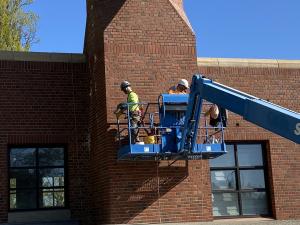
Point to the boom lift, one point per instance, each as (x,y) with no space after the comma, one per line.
(181,130)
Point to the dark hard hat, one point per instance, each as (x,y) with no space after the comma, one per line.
(124,84)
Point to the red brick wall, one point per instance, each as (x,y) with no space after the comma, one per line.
(280,86)
(150,44)
(46,103)
(99,15)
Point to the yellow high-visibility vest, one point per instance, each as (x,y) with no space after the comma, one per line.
(133,98)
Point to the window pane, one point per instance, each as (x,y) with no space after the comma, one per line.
(52,177)
(47,182)
(51,156)
(22,157)
(250,155)
(252,179)
(13,200)
(226,160)
(12,182)
(23,199)
(59,199)
(254,203)
(22,178)
(52,198)
(47,199)
(223,179)
(225,204)
(59,181)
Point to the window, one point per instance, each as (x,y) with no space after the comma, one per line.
(36,178)
(239,181)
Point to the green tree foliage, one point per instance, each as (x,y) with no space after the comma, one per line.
(17,25)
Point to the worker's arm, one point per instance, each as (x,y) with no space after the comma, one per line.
(172,90)
(207,112)
(213,112)
(121,109)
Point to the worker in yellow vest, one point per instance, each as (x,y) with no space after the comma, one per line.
(133,107)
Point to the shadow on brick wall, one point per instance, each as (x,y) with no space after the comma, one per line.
(138,188)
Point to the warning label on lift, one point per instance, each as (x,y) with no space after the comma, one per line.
(297,131)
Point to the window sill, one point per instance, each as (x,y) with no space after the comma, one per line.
(39,216)
(243,219)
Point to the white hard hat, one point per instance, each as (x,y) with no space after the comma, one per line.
(184,82)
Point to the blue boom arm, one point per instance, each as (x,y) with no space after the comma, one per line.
(274,118)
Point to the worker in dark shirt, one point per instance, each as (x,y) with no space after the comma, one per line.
(217,115)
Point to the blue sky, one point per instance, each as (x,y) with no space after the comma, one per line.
(61,25)
(224,28)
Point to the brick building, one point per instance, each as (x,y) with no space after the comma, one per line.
(58,155)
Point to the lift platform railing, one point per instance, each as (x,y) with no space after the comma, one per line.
(147,123)
(164,121)
(208,133)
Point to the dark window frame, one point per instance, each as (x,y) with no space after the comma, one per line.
(37,169)
(237,170)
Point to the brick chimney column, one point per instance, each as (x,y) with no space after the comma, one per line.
(151,44)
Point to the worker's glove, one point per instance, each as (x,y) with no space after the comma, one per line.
(121,108)
(118,114)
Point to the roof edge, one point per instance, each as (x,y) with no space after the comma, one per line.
(253,63)
(42,57)
(179,8)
